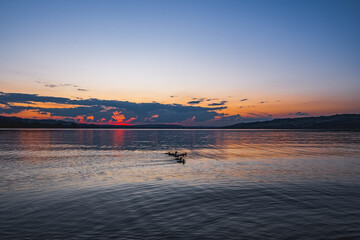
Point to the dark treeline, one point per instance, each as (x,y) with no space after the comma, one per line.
(15,122)
(336,122)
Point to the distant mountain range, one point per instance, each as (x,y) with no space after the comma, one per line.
(335,122)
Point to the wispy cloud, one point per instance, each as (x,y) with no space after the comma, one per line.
(222,103)
(194,102)
(243,100)
(197,100)
(51,85)
(300,114)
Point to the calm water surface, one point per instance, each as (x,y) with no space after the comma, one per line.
(235,184)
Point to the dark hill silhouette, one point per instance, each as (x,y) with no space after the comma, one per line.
(335,122)
(15,122)
(339,121)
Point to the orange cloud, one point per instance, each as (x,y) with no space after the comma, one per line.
(119,119)
(118,116)
(45,105)
(28,114)
(130,120)
(4,106)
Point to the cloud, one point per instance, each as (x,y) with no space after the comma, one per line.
(93,110)
(98,110)
(261,115)
(68,85)
(194,102)
(50,85)
(300,114)
(26,98)
(243,100)
(218,104)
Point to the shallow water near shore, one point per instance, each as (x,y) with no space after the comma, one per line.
(235,184)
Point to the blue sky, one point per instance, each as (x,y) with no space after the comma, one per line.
(287,52)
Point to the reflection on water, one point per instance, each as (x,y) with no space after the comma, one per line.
(240,184)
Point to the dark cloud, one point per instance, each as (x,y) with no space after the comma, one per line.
(98,110)
(218,104)
(103,110)
(26,98)
(300,114)
(194,102)
(227,119)
(231,118)
(262,115)
(243,100)
(82,90)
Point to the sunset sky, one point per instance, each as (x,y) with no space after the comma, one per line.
(185,62)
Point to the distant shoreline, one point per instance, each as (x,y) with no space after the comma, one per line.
(339,122)
(182,129)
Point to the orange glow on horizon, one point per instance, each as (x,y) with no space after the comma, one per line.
(285,106)
(32,114)
(45,105)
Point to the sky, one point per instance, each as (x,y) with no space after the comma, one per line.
(178,62)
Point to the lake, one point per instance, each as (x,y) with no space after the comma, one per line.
(235,184)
